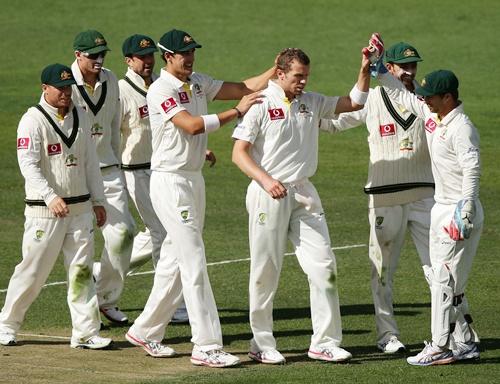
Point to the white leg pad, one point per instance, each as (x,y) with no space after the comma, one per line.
(442,301)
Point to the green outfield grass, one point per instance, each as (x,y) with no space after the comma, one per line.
(240,39)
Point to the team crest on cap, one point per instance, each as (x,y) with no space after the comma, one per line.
(187,39)
(409,52)
(99,41)
(422,84)
(144,43)
(65,75)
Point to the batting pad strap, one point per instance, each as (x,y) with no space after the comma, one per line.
(212,122)
(358,96)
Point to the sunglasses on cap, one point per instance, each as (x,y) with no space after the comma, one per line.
(94,56)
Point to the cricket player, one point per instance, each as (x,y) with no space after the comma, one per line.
(276,144)
(400,186)
(96,91)
(136,149)
(180,123)
(63,186)
(457,216)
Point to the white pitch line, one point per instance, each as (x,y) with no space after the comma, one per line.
(45,336)
(208,264)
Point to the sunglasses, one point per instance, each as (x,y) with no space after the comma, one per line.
(94,56)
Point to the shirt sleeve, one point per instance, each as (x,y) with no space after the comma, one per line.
(211,87)
(466,142)
(249,126)
(327,105)
(116,122)
(166,102)
(397,91)
(29,149)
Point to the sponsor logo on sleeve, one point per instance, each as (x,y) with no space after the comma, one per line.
(168,104)
(276,114)
(54,149)
(183,97)
(23,142)
(143,111)
(387,130)
(430,125)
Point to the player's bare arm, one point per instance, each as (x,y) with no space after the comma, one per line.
(235,91)
(351,103)
(241,157)
(194,125)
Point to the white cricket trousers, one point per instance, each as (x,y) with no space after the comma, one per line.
(43,240)
(179,202)
(147,243)
(451,264)
(387,234)
(118,233)
(299,217)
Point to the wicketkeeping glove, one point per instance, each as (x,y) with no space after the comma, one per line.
(375,53)
(464,214)
(461,225)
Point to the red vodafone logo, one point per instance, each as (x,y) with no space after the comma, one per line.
(183,97)
(387,130)
(168,105)
(276,114)
(430,125)
(144,111)
(54,149)
(23,142)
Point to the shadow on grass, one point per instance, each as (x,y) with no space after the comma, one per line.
(304,312)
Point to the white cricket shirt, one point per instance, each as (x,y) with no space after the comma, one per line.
(60,163)
(399,169)
(453,145)
(284,134)
(174,149)
(135,129)
(103,110)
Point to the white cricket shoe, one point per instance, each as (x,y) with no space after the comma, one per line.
(466,351)
(93,342)
(431,355)
(180,315)
(151,347)
(271,356)
(216,358)
(7,339)
(393,345)
(335,354)
(114,315)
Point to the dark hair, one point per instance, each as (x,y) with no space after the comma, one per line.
(454,94)
(287,55)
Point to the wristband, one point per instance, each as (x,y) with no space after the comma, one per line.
(240,115)
(211,122)
(358,96)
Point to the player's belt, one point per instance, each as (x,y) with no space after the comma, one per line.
(109,166)
(67,200)
(131,167)
(395,188)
